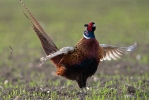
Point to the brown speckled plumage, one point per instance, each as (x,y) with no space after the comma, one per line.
(85,48)
(83,61)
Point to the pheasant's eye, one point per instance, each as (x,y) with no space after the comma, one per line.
(93,25)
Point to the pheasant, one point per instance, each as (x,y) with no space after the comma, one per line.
(77,62)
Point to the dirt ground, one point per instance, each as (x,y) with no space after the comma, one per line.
(104,74)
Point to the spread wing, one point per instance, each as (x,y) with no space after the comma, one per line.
(46,41)
(114,52)
(62,51)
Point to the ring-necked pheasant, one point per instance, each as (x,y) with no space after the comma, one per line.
(81,61)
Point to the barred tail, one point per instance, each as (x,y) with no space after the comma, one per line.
(46,41)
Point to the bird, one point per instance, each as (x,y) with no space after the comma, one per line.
(77,62)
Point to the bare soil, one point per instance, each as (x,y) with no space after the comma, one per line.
(106,70)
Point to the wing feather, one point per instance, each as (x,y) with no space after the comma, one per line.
(108,56)
(114,52)
(62,51)
(111,54)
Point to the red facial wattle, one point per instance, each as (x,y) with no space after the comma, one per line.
(89,27)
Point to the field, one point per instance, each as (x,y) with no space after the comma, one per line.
(119,23)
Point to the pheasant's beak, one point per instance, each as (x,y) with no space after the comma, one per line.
(85,25)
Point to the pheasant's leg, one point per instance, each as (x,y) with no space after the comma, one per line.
(82,83)
(81,80)
(83,91)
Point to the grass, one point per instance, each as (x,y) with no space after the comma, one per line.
(116,89)
(118,23)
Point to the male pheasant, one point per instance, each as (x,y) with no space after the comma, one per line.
(81,61)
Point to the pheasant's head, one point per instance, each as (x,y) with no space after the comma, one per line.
(90,26)
(89,30)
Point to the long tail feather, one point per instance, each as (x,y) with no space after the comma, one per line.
(46,41)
